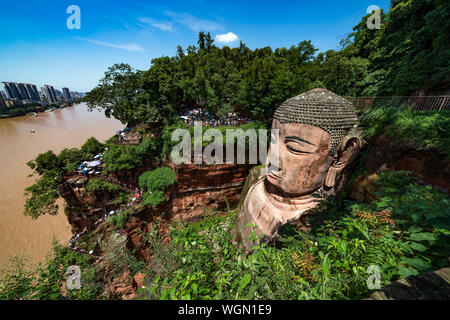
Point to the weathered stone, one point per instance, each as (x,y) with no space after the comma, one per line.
(428,286)
(317,142)
(138,280)
(363,188)
(431,166)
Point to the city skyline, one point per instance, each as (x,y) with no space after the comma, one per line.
(12,93)
(36,46)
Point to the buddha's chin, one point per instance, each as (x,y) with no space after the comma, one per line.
(273,180)
(273,185)
(274,188)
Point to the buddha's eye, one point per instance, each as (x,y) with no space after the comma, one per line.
(296,147)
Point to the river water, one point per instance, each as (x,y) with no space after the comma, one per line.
(63,128)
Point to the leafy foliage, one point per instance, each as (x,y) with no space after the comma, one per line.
(42,195)
(405,232)
(91,148)
(16,280)
(425,128)
(154,184)
(119,157)
(409,52)
(120,219)
(150,147)
(99,187)
(47,281)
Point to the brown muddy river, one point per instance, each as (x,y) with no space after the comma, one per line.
(64,128)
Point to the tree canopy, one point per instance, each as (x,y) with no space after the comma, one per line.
(411,51)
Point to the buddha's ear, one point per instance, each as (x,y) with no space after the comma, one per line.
(347,154)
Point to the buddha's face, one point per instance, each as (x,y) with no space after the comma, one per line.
(303,158)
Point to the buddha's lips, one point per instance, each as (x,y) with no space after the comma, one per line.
(273,176)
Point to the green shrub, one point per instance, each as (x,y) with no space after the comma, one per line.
(154,184)
(157,179)
(120,219)
(92,147)
(153,199)
(46,282)
(96,185)
(41,196)
(426,128)
(168,129)
(46,163)
(118,158)
(149,147)
(16,279)
(71,158)
(52,276)
(405,232)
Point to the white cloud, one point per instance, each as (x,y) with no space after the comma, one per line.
(161,25)
(128,47)
(226,37)
(194,23)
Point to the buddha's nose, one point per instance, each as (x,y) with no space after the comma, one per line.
(272,169)
(273,162)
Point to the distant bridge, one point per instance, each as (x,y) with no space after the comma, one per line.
(437,103)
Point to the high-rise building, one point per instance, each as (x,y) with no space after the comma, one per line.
(49,93)
(32,92)
(11,90)
(22,91)
(36,93)
(2,102)
(66,94)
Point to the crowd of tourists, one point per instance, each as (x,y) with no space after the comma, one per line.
(122,134)
(189,116)
(75,237)
(90,167)
(135,200)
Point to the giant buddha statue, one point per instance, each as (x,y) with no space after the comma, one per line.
(318,139)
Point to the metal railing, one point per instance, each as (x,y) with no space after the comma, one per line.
(437,103)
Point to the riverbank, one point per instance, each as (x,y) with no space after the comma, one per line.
(62,128)
(28,110)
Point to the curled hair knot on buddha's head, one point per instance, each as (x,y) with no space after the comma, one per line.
(323,109)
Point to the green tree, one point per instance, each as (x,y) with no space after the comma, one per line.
(92,147)
(117,93)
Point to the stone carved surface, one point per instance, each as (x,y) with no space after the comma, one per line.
(317,140)
(427,286)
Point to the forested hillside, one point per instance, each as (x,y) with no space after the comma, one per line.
(411,51)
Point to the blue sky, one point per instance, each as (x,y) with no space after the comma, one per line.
(37,47)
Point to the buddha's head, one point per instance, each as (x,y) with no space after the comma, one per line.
(317,141)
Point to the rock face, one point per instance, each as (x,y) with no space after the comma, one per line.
(431,166)
(199,188)
(203,188)
(83,209)
(428,286)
